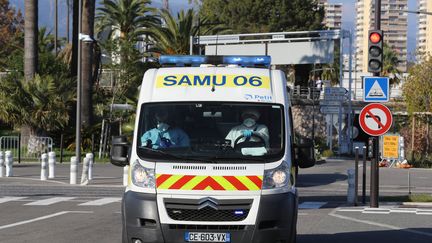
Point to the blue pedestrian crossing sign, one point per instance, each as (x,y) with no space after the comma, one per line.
(376,89)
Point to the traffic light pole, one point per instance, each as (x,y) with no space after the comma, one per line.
(374,183)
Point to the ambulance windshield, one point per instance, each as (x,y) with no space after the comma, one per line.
(211,131)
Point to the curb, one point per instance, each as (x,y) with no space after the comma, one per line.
(418,204)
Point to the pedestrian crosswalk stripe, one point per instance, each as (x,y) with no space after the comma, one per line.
(311,205)
(49,201)
(9,199)
(102,201)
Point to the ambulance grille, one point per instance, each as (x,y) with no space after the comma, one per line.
(206,214)
(207,209)
(206,227)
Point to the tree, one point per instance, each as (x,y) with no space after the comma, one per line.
(390,65)
(11,32)
(417,90)
(87,64)
(41,103)
(125,19)
(252,16)
(174,36)
(30,39)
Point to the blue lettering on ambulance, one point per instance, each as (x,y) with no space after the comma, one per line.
(199,81)
(240,82)
(185,79)
(222,83)
(170,80)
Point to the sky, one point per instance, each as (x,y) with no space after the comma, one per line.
(46,15)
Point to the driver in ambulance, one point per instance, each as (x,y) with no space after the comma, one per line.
(164,135)
(249,130)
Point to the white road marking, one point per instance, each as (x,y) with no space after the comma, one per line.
(9,199)
(417,211)
(102,201)
(388,226)
(376,211)
(40,218)
(49,201)
(311,205)
(351,210)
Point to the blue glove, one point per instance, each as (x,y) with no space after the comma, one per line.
(247,133)
(165,143)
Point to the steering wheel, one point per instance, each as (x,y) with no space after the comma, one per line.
(248,143)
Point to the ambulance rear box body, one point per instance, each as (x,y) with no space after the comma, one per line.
(204,187)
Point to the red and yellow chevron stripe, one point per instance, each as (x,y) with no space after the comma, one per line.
(202,182)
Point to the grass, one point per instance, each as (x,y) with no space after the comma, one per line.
(408,198)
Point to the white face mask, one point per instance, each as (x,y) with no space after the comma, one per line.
(249,122)
(162,126)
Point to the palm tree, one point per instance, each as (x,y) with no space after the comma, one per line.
(41,104)
(125,19)
(390,65)
(174,36)
(87,64)
(30,38)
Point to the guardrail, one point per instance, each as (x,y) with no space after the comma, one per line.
(26,147)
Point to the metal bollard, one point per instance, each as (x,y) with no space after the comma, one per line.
(84,174)
(73,170)
(91,162)
(9,163)
(125,175)
(51,164)
(1,164)
(44,165)
(351,182)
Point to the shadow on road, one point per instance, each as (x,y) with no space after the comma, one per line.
(415,235)
(310,180)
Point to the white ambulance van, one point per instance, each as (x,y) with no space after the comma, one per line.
(212,157)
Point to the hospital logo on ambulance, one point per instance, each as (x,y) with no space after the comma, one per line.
(221,80)
(202,182)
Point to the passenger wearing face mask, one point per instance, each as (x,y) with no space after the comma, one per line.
(248,128)
(164,136)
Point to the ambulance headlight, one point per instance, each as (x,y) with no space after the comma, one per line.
(142,177)
(277,177)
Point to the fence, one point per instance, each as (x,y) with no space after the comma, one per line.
(26,147)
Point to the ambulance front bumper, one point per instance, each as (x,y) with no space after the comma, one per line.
(276,220)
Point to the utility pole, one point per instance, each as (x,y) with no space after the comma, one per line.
(56,27)
(374,192)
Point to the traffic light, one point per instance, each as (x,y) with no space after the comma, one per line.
(371,147)
(375,51)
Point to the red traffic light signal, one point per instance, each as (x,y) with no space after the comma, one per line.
(375,37)
(375,51)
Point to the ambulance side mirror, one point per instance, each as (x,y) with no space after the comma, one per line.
(119,151)
(304,153)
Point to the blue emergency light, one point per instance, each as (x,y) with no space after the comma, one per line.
(245,61)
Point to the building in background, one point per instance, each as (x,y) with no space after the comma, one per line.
(424,34)
(332,14)
(393,23)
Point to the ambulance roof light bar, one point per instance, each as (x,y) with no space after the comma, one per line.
(196,61)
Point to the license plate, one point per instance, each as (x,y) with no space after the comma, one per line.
(207,237)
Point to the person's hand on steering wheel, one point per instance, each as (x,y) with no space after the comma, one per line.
(238,144)
(247,134)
